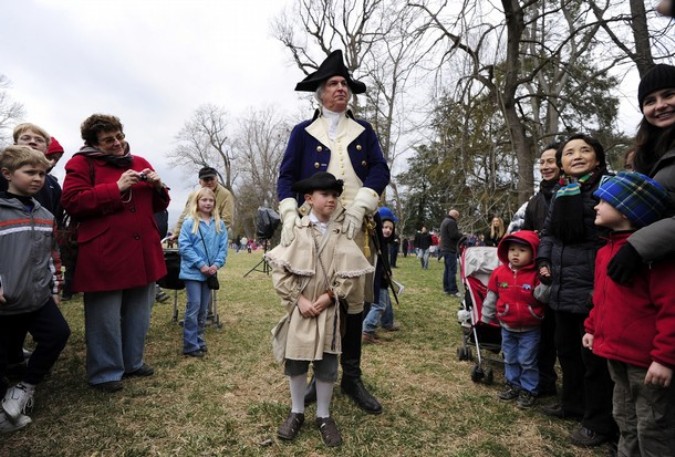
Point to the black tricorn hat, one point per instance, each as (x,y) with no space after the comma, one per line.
(319,181)
(332,66)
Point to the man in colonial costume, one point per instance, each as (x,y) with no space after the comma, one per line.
(335,142)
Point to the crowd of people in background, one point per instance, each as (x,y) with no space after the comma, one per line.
(585,274)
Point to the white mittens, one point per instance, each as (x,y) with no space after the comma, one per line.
(288,210)
(364,203)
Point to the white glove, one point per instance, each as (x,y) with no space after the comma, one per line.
(288,210)
(364,203)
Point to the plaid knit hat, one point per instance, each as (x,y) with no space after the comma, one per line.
(641,199)
(661,76)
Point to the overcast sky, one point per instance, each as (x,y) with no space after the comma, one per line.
(149,62)
(152,63)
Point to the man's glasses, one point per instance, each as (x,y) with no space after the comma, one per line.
(110,140)
(33,139)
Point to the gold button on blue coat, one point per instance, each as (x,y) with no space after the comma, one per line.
(319,149)
(358,147)
(316,165)
(364,163)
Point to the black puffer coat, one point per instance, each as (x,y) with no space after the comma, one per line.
(573,264)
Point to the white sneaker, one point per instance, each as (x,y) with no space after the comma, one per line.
(17,400)
(6,426)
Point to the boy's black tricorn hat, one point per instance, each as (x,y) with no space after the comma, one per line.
(332,66)
(319,181)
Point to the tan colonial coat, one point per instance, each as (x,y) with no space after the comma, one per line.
(297,269)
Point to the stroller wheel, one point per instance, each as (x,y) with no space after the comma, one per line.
(477,374)
(463,353)
(489,376)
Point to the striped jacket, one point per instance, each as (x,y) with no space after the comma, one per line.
(30,265)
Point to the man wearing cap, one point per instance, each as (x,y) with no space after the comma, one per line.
(208,177)
(335,142)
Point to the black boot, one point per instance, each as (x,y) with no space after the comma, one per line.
(351,366)
(310,392)
(354,388)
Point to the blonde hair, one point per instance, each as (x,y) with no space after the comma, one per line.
(500,231)
(194,209)
(15,157)
(22,128)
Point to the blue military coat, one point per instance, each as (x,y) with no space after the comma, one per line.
(305,155)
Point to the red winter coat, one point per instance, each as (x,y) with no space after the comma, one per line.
(516,307)
(633,323)
(119,245)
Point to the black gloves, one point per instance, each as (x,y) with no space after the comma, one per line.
(625,264)
(545,280)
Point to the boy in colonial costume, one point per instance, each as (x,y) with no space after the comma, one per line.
(317,272)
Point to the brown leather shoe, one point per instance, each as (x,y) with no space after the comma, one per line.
(330,435)
(369,338)
(291,426)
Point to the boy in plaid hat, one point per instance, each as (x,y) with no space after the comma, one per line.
(633,325)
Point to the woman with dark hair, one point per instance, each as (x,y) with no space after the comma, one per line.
(654,157)
(566,259)
(114,196)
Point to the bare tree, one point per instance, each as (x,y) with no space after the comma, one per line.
(634,34)
(260,141)
(350,25)
(380,47)
(203,141)
(10,111)
(532,59)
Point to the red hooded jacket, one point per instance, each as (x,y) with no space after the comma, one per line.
(516,307)
(633,323)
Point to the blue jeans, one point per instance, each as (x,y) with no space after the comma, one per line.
(376,312)
(116,323)
(423,255)
(520,351)
(450,273)
(387,319)
(196,309)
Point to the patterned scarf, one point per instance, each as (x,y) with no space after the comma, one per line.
(124,161)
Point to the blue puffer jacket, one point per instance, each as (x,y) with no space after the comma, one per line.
(193,255)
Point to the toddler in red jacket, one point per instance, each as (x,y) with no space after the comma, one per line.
(516,297)
(633,325)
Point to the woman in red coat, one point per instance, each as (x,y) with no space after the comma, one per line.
(114,196)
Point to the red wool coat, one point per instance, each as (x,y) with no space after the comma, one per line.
(119,245)
(633,323)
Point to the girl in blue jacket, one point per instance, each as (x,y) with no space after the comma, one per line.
(202,244)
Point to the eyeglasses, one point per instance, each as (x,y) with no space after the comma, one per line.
(110,140)
(34,139)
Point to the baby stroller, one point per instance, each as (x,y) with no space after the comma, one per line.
(171,281)
(475,267)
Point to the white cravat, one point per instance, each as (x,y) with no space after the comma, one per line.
(333,120)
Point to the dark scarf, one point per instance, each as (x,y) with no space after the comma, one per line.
(124,161)
(547,187)
(567,217)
